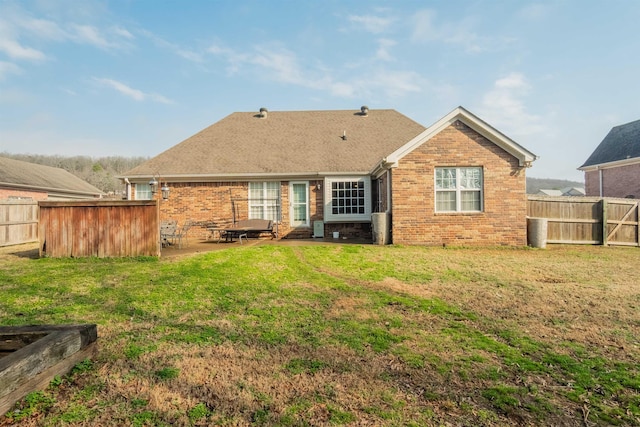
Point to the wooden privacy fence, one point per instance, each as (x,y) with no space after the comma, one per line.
(99,228)
(588,220)
(18,221)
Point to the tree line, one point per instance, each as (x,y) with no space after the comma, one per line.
(101,172)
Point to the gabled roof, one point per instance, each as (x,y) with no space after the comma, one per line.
(524,156)
(31,176)
(621,145)
(285,143)
(306,143)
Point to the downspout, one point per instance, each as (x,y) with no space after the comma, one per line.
(127,190)
(389,207)
(389,191)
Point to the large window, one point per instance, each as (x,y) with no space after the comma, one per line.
(264,200)
(299,196)
(143,192)
(458,189)
(348,199)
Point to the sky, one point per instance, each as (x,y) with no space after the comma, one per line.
(136,77)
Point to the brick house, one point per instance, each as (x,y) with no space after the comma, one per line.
(24,180)
(613,169)
(459,181)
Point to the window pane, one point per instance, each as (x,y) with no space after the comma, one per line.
(470,200)
(470,178)
(299,193)
(143,192)
(272,190)
(256,212)
(445,201)
(300,213)
(445,178)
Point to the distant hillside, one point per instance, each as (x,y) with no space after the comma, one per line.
(100,172)
(535,184)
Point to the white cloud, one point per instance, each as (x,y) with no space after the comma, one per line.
(535,11)
(130,92)
(8,68)
(42,28)
(122,32)
(284,66)
(15,50)
(383,53)
(397,83)
(370,23)
(176,49)
(423,27)
(504,106)
(427,29)
(87,34)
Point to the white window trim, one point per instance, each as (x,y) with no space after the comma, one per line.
(291,204)
(329,216)
(458,190)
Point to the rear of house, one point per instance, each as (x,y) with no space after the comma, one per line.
(613,169)
(315,173)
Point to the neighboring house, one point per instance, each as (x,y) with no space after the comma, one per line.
(459,181)
(573,191)
(547,192)
(613,169)
(567,191)
(24,180)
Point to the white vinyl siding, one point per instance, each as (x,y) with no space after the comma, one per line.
(459,189)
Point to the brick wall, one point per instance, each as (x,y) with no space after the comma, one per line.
(5,193)
(622,181)
(212,202)
(503,220)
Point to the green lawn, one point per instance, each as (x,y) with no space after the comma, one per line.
(340,335)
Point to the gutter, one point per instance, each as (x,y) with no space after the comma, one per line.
(242,177)
(49,189)
(608,165)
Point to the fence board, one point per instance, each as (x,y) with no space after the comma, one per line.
(18,222)
(99,228)
(588,220)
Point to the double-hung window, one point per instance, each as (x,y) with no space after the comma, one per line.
(143,192)
(264,200)
(348,199)
(458,189)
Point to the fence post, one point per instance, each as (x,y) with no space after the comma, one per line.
(604,223)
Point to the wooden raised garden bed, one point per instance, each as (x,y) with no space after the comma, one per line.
(31,356)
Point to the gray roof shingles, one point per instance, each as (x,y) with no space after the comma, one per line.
(622,142)
(286,142)
(34,176)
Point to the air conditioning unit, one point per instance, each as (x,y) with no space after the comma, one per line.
(318,229)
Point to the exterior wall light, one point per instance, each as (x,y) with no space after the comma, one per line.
(164,190)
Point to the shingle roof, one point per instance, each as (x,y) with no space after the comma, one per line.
(16,173)
(286,142)
(622,142)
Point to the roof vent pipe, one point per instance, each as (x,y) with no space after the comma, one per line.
(263,113)
(364,110)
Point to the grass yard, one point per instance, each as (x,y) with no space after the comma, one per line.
(340,335)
